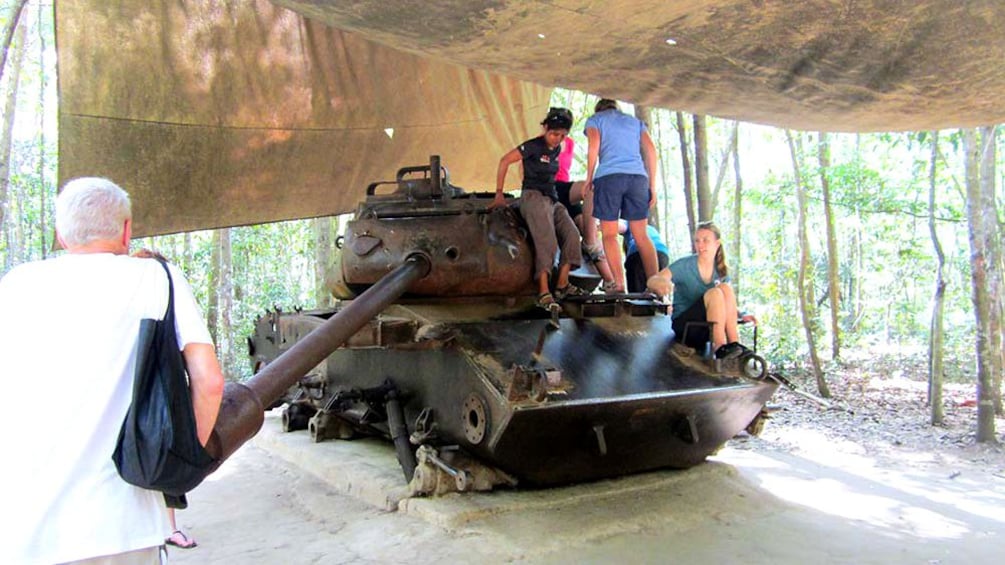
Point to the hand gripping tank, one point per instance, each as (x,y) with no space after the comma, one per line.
(474,384)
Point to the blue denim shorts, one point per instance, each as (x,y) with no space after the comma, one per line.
(621,196)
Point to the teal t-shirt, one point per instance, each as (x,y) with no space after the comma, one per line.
(688,286)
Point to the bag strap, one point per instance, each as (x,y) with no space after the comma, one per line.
(169,313)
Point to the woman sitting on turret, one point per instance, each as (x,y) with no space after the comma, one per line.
(549,223)
(702,293)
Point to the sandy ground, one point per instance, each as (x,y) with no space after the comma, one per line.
(757,501)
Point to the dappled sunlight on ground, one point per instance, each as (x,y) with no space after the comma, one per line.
(895,502)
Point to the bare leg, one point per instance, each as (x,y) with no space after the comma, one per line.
(589,228)
(647,251)
(563,275)
(729,312)
(715,312)
(542,283)
(612,249)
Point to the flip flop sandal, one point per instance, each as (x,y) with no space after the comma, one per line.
(185,542)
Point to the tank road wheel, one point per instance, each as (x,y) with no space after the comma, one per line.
(754,366)
(296,417)
(474,419)
(317,426)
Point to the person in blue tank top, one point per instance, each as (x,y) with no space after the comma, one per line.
(702,293)
(621,177)
(635,274)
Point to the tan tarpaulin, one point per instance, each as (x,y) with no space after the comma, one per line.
(860,65)
(228,113)
(218,112)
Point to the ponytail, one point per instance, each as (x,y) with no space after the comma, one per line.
(720,262)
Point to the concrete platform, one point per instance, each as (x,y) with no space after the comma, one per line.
(368,470)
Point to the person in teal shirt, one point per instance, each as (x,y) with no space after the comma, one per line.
(702,293)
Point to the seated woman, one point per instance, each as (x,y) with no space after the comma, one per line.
(549,223)
(702,293)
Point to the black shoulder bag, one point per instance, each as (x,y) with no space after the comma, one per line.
(158,447)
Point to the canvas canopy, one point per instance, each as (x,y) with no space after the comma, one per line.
(219,113)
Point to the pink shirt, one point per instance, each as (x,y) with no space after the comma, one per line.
(565,160)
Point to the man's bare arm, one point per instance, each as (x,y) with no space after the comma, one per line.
(206,381)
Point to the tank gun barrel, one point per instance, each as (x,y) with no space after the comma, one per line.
(242,411)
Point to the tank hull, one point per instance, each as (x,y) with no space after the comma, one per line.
(601,395)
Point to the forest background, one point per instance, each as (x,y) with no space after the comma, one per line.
(847,247)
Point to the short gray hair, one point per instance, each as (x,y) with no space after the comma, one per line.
(91,209)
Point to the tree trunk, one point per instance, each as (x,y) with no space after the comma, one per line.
(806,303)
(737,211)
(702,190)
(854,302)
(935,336)
(833,284)
(213,286)
(723,165)
(42,191)
(987,179)
(186,250)
(980,207)
(7,140)
(8,33)
(225,340)
(323,254)
(645,113)
(688,182)
(664,182)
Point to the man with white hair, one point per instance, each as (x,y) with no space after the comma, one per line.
(67,360)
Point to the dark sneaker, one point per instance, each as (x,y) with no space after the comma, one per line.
(730,350)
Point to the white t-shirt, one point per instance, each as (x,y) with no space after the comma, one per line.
(68,329)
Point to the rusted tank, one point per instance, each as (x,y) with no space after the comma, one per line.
(473,383)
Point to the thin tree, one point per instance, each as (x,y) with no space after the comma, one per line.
(213,286)
(723,164)
(645,113)
(8,33)
(980,207)
(702,190)
(324,247)
(806,303)
(737,210)
(664,185)
(226,302)
(42,81)
(7,139)
(987,179)
(686,168)
(833,284)
(935,334)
